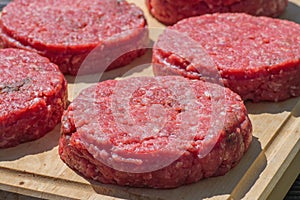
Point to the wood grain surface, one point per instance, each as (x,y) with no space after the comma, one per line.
(269,167)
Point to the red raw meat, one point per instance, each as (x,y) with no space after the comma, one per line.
(33,95)
(159,132)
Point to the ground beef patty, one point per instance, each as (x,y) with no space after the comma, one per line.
(33,95)
(159,132)
(256,57)
(170,12)
(66,31)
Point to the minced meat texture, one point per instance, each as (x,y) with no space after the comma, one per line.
(67,31)
(32,96)
(123,131)
(170,12)
(247,51)
(68,25)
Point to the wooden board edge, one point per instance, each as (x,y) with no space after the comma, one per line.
(287,168)
(28,184)
(287,180)
(34,185)
(260,180)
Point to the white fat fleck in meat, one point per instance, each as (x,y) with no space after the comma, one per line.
(179,164)
(294,87)
(117,158)
(103,154)
(223,113)
(275,86)
(149,93)
(55,81)
(207,94)
(66,126)
(35,101)
(49,108)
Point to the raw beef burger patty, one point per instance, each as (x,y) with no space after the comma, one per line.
(159,132)
(256,57)
(66,31)
(170,12)
(33,95)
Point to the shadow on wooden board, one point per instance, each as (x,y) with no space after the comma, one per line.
(15,196)
(217,186)
(273,107)
(292,13)
(296,110)
(46,143)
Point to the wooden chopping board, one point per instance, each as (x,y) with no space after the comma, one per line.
(268,169)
